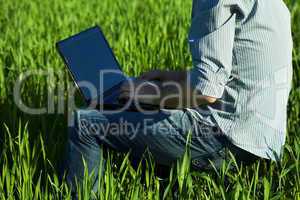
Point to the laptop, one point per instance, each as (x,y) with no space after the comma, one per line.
(95,69)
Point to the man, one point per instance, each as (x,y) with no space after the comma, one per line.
(233,99)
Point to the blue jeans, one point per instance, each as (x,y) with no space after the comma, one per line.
(163,133)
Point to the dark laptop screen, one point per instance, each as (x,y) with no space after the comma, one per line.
(91,62)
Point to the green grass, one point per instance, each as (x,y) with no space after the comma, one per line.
(144,35)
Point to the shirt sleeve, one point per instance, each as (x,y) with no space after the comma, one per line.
(211,40)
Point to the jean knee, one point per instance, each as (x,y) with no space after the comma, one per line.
(82,130)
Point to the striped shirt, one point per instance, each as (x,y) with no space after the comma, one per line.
(242,55)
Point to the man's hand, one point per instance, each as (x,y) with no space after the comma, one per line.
(147,88)
(169,89)
(175,82)
(141,91)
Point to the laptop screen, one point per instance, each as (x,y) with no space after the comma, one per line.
(91,62)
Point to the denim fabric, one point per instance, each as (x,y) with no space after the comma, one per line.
(164,134)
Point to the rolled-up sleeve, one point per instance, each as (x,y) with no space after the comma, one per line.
(211,41)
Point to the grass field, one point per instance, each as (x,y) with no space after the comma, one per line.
(144,35)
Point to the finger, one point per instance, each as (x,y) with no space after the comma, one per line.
(124,95)
(125,86)
(148,99)
(129,85)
